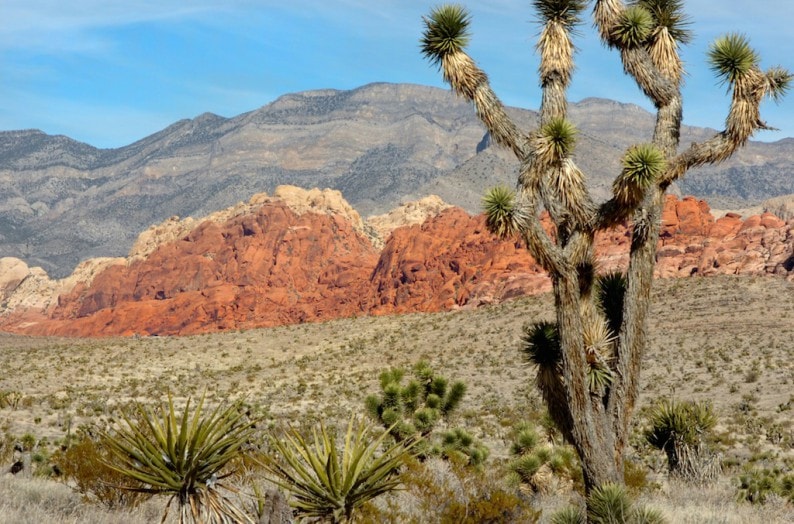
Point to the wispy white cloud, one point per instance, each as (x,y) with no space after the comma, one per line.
(230,56)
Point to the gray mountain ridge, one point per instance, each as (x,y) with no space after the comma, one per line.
(62,201)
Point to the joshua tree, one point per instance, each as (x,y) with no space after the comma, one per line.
(589,359)
(414,409)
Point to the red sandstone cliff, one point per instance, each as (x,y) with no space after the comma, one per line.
(306,256)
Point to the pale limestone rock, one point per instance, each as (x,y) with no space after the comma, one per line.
(38,291)
(13,272)
(407,214)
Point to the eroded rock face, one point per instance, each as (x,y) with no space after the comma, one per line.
(699,245)
(305,256)
(448,261)
(265,268)
(407,214)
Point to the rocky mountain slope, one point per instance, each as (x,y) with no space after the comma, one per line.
(303,256)
(62,201)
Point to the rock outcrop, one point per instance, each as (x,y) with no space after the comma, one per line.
(407,214)
(303,256)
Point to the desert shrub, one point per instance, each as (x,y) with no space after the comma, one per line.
(84,465)
(10,399)
(569,515)
(608,504)
(415,409)
(328,486)
(6,448)
(543,465)
(756,485)
(646,515)
(611,504)
(681,430)
(635,476)
(457,444)
(448,492)
(182,456)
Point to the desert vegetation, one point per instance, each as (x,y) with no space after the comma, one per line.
(725,341)
(589,358)
(323,422)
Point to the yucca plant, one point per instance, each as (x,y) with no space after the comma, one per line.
(569,515)
(459,446)
(681,429)
(610,294)
(416,408)
(609,504)
(531,455)
(669,14)
(327,486)
(447,31)
(634,27)
(540,344)
(183,456)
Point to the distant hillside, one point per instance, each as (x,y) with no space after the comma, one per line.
(63,201)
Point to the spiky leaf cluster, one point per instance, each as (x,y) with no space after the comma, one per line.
(446,32)
(458,445)
(608,504)
(564,12)
(525,440)
(611,504)
(599,352)
(531,455)
(642,165)
(569,515)
(182,455)
(540,343)
(778,81)
(502,214)
(673,423)
(330,487)
(416,407)
(731,57)
(634,27)
(610,293)
(556,138)
(669,14)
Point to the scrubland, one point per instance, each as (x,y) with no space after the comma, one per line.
(724,340)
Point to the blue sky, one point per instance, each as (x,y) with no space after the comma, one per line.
(108,72)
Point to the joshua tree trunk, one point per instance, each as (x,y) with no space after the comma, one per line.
(589,360)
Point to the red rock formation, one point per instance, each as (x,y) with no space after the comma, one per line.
(449,261)
(267,268)
(273,264)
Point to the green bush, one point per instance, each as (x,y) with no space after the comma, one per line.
(534,455)
(608,504)
(459,445)
(681,430)
(329,486)
(755,485)
(416,408)
(611,504)
(85,466)
(569,515)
